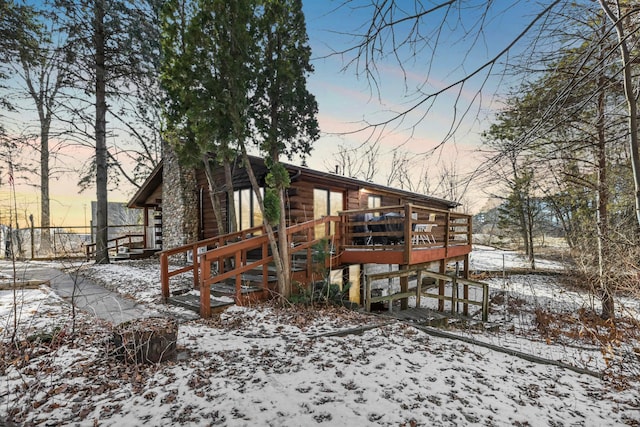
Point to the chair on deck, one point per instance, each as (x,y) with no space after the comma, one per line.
(424,234)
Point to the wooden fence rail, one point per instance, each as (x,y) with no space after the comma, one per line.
(420,273)
(115,243)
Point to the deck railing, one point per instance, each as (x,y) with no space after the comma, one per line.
(191,253)
(229,256)
(415,227)
(403,229)
(213,263)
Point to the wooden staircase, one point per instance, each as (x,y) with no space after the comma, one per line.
(238,267)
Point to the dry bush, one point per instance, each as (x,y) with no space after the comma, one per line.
(618,341)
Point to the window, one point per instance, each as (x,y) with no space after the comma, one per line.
(248,212)
(374,202)
(326,202)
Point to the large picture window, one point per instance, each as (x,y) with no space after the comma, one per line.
(248,212)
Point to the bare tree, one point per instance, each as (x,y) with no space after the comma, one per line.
(421,33)
(361,162)
(450,183)
(44,69)
(114,44)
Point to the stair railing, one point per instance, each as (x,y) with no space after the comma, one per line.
(237,254)
(195,249)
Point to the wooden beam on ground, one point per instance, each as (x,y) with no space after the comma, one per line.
(22,284)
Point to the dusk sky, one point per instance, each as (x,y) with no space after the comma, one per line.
(346,100)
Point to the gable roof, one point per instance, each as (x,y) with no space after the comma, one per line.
(148,187)
(297,173)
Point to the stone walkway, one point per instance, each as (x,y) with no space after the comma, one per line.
(86,295)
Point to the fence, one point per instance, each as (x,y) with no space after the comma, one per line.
(420,272)
(54,242)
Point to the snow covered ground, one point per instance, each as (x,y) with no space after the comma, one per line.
(282,366)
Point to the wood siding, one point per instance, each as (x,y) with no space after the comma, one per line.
(298,198)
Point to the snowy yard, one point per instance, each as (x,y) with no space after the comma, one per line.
(282,367)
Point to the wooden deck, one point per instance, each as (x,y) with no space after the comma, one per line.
(405,235)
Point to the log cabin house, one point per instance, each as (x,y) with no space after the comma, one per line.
(366,225)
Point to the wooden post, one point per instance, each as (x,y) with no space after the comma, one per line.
(145,227)
(238,260)
(404,287)
(33,243)
(196,265)
(367,295)
(164,276)
(485,302)
(389,287)
(465,274)
(309,254)
(205,290)
(363,279)
(265,268)
(447,229)
(454,294)
(418,288)
(442,270)
(407,233)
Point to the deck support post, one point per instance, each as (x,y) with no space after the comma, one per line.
(367,294)
(363,279)
(418,287)
(404,287)
(465,274)
(196,265)
(454,294)
(238,264)
(441,283)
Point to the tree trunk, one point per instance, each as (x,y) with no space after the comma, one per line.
(630,97)
(102,234)
(284,276)
(273,242)
(45,212)
(43,96)
(522,219)
(602,215)
(231,203)
(532,255)
(214,195)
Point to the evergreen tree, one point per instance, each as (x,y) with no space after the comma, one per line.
(282,109)
(235,72)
